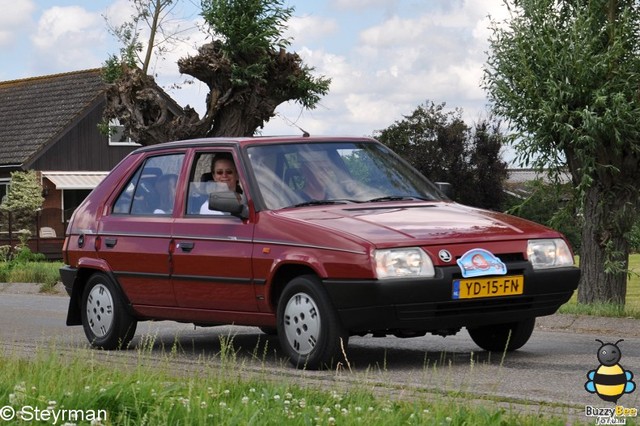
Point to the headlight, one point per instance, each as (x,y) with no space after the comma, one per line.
(549,253)
(405,262)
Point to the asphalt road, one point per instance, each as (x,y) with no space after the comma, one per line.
(547,374)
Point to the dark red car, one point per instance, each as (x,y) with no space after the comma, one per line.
(316,238)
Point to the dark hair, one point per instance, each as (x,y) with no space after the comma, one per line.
(222,156)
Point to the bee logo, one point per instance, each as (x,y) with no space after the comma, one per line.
(609,381)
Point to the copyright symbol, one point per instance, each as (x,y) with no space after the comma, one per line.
(7,413)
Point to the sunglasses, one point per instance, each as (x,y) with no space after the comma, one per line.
(221,172)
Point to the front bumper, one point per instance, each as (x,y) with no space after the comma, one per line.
(427,304)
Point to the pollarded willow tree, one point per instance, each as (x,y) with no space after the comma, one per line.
(246,68)
(566,73)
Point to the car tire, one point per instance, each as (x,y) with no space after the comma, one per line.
(308,326)
(503,337)
(105,319)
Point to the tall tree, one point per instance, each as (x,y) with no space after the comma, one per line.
(565,73)
(149,15)
(246,68)
(443,148)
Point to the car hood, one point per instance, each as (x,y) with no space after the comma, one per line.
(421,223)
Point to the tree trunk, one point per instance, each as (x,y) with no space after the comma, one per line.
(233,121)
(604,257)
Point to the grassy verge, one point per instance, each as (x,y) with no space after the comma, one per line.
(80,385)
(47,274)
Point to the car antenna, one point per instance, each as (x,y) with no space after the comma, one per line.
(305,134)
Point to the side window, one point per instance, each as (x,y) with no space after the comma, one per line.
(202,180)
(152,189)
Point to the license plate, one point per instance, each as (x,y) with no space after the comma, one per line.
(471,288)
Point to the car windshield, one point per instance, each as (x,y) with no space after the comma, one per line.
(302,174)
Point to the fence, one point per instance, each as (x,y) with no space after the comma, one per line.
(45,229)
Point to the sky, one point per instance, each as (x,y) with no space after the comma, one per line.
(384,57)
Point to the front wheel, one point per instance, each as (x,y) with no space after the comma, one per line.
(503,337)
(105,320)
(309,329)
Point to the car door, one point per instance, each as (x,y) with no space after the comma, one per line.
(134,237)
(211,253)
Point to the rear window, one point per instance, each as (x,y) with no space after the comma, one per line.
(152,188)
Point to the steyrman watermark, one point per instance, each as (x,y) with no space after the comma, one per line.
(28,413)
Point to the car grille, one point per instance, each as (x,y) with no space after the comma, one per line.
(420,311)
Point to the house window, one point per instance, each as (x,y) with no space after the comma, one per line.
(4,189)
(71,199)
(117,136)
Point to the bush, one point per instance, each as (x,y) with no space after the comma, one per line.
(24,255)
(5,269)
(25,266)
(634,238)
(45,273)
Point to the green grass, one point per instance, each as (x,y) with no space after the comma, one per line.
(215,395)
(47,274)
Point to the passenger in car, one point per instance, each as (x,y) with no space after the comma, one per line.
(312,189)
(165,187)
(223,171)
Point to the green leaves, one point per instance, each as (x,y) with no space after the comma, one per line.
(442,147)
(25,193)
(566,77)
(249,29)
(23,200)
(565,74)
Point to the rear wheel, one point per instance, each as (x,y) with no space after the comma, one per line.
(105,320)
(309,329)
(503,337)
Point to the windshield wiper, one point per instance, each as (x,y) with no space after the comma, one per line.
(398,198)
(320,203)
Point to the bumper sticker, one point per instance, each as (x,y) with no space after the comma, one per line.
(478,262)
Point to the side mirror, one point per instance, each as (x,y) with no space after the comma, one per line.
(445,187)
(227,202)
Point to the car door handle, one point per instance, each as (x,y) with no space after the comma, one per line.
(186,247)
(110,242)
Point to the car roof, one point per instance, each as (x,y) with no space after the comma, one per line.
(245,141)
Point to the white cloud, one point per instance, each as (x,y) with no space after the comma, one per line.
(15,16)
(404,61)
(362,4)
(70,37)
(309,28)
(118,12)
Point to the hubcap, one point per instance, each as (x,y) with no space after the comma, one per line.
(99,310)
(302,323)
